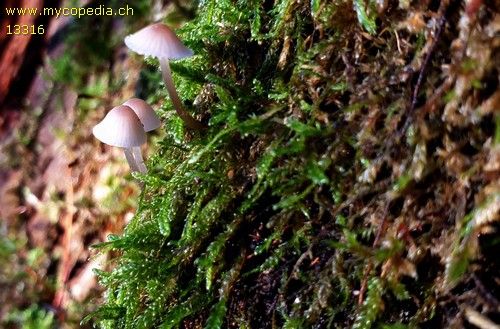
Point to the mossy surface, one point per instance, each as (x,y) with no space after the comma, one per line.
(348,176)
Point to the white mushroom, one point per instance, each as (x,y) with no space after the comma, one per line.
(149,120)
(159,41)
(121,128)
(146,114)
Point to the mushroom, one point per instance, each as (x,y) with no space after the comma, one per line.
(159,41)
(146,114)
(149,120)
(121,128)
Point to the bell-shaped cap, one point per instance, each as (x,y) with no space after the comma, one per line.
(158,41)
(146,114)
(120,127)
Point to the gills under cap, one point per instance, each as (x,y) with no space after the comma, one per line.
(158,41)
(120,127)
(146,114)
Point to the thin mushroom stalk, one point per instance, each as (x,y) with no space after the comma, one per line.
(174,97)
(141,167)
(130,159)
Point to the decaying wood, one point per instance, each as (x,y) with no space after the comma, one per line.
(13,48)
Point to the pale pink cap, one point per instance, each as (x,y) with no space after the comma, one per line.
(146,114)
(120,127)
(158,41)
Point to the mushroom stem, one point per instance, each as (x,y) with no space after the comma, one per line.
(139,161)
(169,83)
(130,159)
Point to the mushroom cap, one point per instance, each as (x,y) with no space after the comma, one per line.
(157,40)
(146,114)
(120,127)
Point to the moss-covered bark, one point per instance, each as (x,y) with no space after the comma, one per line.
(348,177)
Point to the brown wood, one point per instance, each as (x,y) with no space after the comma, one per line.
(13,48)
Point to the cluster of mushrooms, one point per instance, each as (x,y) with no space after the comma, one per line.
(126,125)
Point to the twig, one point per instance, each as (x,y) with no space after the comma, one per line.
(479,320)
(67,260)
(485,293)
(416,90)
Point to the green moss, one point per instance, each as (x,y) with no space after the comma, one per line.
(302,182)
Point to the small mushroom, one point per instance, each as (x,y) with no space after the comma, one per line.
(149,120)
(146,114)
(121,128)
(159,41)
